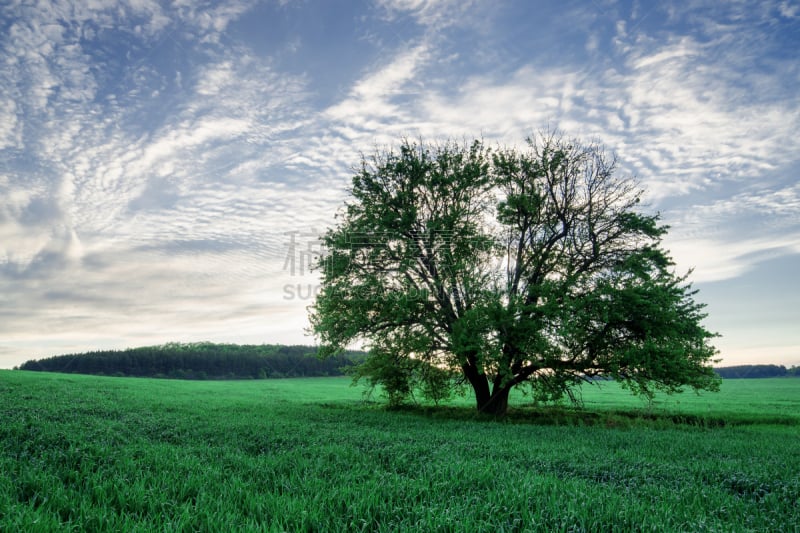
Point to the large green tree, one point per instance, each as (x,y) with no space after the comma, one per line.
(506,267)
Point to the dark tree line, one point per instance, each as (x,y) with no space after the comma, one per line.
(201,361)
(757,371)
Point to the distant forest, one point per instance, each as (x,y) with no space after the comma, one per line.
(201,361)
(757,371)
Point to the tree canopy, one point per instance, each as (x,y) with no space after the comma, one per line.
(506,267)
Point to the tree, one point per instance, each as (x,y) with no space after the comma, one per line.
(512,267)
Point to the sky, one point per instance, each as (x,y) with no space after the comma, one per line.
(166,168)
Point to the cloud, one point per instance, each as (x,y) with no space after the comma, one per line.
(154,165)
(718,260)
(729,237)
(140,196)
(375,99)
(10,132)
(681,123)
(789,11)
(430,13)
(211,18)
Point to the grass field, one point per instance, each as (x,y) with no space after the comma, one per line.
(123,454)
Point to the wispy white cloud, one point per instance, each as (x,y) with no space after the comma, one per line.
(429,13)
(10,133)
(789,10)
(211,18)
(718,260)
(728,237)
(187,197)
(377,99)
(682,124)
(154,166)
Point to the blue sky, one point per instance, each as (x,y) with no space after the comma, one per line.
(165,168)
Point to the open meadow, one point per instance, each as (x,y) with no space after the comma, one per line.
(87,453)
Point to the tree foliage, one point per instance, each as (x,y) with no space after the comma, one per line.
(510,267)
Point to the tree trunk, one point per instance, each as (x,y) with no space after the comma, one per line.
(487,401)
(480,384)
(497,404)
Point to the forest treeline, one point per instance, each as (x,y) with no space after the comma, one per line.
(206,360)
(201,361)
(756,371)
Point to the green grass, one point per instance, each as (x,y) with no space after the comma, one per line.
(116,454)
